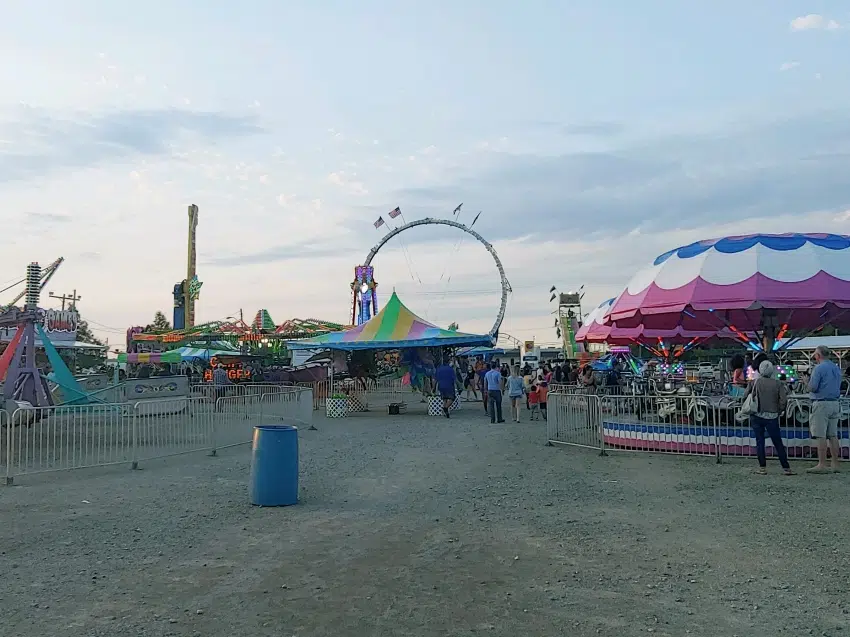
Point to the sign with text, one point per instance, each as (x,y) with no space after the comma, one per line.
(570,299)
(61,321)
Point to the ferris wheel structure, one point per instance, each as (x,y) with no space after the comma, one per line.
(505,284)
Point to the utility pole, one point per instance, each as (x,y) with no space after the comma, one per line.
(73,298)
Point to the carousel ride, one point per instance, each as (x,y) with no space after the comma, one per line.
(760,292)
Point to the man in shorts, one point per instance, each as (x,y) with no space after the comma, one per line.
(825,388)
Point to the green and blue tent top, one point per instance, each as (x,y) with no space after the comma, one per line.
(394,327)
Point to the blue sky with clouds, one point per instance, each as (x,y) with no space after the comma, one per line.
(592,135)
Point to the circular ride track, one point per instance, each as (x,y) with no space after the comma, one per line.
(506,286)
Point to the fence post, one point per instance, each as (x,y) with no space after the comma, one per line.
(10,479)
(214,416)
(717,453)
(213,437)
(134,445)
(602,451)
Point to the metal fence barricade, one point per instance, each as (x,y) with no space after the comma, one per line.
(170,427)
(234,420)
(321,390)
(38,440)
(293,404)
(562,388)
(574,420)
(5,447)
(44,439)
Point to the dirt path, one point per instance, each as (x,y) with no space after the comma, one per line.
(422,526)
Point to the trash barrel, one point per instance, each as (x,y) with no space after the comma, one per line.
(274,466)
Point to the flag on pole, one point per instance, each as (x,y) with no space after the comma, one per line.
(395,212)
(474,220)
(379,222)
(457,210)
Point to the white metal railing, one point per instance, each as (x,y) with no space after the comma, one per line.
(371,393)
(692,424)
(45,439)
(214,392)
(321,390)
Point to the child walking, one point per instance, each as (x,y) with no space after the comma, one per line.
(533,402)
(516,388)
(542,395)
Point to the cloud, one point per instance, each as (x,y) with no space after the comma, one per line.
(758,168)
(788,66)
(347,182)
(277,254)
(285,200)
(597,129)
(813,21)
(42,143)
(47,217)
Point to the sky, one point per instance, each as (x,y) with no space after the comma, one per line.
(591,135)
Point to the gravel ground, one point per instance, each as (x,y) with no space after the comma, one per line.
(412,525)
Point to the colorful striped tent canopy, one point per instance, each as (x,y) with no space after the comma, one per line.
(394,327)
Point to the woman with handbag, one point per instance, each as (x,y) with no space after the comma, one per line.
(766,398)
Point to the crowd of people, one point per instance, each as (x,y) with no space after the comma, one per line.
(494,381)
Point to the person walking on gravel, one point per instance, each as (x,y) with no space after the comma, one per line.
(481,369)
(516,389)
(220,383)
(771,396)
(825,389)
(495,383)
(445,377)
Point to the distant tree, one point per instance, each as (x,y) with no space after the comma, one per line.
(453,326)
(160,322)
(84,333)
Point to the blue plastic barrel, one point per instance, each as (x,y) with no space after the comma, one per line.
(274,466)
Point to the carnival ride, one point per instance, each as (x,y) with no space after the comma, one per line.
(503,279)
(261,333)
(365,294)
(22,380)
(757,287)
(189,289)
(666,344)
(766,292)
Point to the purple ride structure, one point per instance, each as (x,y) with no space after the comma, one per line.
(23,380)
